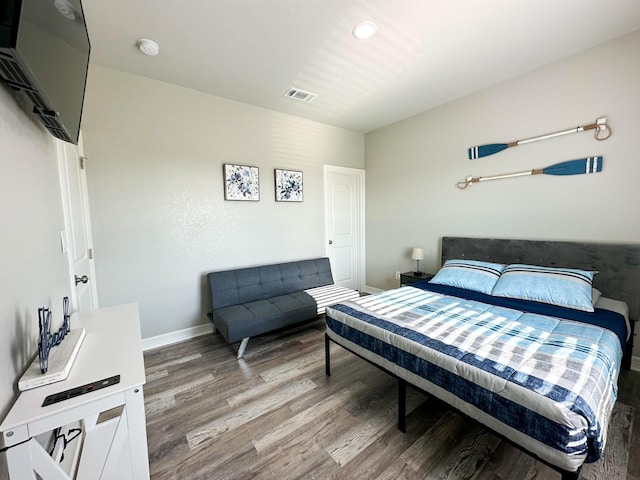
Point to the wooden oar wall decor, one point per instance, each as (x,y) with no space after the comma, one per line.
(602,132)
(571,167)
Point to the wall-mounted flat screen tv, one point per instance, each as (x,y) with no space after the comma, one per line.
(44,51)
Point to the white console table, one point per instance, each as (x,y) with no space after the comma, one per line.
(110,449)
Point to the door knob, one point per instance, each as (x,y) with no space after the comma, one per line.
(330,242)
(82,279)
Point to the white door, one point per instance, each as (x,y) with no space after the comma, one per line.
(77,239)
(344,224)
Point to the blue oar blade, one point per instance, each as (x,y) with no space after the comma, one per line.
(486,150)
(575,167)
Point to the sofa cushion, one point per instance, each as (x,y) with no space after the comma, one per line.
(236,322)
(315,273)
(291,277)
(223,287)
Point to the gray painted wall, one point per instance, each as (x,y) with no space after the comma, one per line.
(34,271)
(160,221)
(412,166)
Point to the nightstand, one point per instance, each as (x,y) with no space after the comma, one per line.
(407,278)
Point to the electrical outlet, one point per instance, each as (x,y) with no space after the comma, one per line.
(397,275)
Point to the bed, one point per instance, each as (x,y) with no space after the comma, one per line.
(541,375)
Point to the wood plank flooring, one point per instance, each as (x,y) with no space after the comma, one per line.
(275,415)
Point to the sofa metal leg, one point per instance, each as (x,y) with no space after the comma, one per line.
(243,346)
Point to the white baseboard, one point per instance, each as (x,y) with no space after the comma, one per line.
(175,337)
(372,290)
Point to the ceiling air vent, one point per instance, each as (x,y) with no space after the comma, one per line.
(300,94)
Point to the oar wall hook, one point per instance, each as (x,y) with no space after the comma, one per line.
(601,128)
(570,167)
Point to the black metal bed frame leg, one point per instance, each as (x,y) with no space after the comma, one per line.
(571,475)
(402,405)
(327,359)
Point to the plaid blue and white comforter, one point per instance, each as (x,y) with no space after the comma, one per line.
(547,384)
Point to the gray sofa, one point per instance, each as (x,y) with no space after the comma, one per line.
(251,301)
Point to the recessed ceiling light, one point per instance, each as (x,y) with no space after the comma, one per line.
(364,30)
(148,47)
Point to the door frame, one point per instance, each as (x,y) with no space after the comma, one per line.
(361,254)
(64,164)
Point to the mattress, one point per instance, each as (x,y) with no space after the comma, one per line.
(615,306)
(545,383)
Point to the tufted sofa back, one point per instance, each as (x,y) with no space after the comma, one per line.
(234,287)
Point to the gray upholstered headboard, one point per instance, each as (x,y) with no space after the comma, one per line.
(618,264)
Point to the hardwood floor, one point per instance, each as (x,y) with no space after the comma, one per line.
(275,415)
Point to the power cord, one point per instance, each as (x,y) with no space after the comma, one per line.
(4,449)
(73,433)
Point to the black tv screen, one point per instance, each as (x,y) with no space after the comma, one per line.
(44,51)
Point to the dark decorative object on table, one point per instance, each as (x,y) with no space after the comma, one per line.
(47,340)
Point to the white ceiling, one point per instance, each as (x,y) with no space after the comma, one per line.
(425,53)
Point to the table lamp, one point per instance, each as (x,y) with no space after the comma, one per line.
(417,254)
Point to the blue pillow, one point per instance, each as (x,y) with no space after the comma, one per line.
(565,287)
(469,274)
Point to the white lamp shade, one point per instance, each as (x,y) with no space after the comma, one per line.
(417,254)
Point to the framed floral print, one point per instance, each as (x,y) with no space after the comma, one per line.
(241,182)
(288,185)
